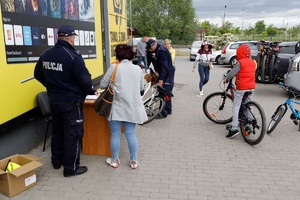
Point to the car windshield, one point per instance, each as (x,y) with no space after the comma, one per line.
(196,44)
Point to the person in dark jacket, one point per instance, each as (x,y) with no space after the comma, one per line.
(62,70)
(166,70)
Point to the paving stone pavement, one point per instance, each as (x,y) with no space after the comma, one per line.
(186,156)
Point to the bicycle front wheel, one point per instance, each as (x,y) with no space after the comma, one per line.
(252,122)
(276,118)
(153,107)
(217,107)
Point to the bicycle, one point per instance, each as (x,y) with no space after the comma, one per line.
(266,72)
(217,107)
(281,109)
(155,102)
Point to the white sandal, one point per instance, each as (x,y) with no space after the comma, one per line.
(133,164)
(114,164)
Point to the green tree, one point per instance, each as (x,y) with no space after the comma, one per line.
(271,31)
(174,19)
(260,27)
(226,28)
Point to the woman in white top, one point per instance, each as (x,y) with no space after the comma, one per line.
(127,107)
(203,58)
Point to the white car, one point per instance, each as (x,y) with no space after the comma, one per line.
(196,45)
(217,55)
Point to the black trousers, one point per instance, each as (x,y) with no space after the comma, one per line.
(67,133)
(168,106)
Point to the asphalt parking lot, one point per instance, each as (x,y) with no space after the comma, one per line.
(186,156)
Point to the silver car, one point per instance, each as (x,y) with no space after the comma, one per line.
(229,51)
(292,77)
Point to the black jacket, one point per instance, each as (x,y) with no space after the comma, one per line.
(163,64)
(62,70)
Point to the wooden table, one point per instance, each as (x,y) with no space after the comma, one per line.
(96,138)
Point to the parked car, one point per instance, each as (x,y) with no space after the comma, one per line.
(292,77)
(287,50)
(229,51)
(217,55)
(196,45)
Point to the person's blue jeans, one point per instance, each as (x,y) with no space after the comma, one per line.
(115,137)
(204,72)
(144,59)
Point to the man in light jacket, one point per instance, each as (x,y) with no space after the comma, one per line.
(142,53)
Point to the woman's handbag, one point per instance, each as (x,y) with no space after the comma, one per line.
(103,103)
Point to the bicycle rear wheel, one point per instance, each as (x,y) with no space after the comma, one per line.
(263,70)
(217,107)
(276,118)
(153,107)
(252,123)
(273,74)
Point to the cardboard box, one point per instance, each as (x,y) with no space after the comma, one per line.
(20,179)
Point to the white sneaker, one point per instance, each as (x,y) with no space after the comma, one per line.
(114,164)
(201,93)
(148,71)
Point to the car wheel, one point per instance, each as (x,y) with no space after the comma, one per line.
(232,61)
(217,60)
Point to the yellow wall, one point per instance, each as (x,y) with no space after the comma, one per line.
(117,25)
(18,98)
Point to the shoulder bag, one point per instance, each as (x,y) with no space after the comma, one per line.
(103,103)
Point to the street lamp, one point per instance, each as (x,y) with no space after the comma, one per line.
(243,22)
(224,16)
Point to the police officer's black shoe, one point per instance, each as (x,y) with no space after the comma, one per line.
(160,116)
(80,170)
(56,166)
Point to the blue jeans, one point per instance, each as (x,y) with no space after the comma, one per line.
(144,59)
(204,75)
(115,137)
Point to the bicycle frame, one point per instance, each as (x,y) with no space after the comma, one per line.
(282,108)
(289,102)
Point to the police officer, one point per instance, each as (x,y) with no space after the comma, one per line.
(62,70)
(166,70)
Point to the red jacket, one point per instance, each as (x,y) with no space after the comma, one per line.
(245,78)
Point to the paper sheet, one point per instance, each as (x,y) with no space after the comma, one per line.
(91,97)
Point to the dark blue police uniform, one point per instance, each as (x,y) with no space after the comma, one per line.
(62,71)
(166,72)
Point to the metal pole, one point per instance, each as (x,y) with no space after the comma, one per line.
(131,24)
(224,16)
(242,22)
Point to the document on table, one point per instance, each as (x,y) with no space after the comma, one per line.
(91,96)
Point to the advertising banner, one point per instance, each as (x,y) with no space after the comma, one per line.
(30,27)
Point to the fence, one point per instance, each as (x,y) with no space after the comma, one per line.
(281,37)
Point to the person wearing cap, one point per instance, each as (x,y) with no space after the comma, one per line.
(62,70)
(166,71)
(203,58)
(244,73)
(141,53)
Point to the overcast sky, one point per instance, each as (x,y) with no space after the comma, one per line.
(245,13)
